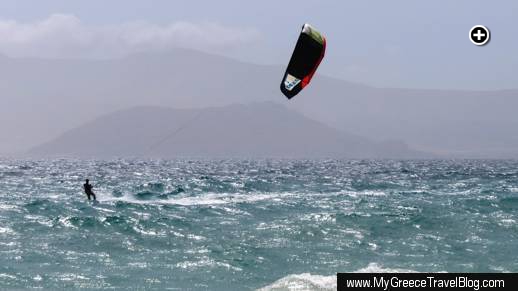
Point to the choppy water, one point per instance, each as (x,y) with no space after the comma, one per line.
(239,225)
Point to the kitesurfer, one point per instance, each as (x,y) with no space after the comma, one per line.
(88,189)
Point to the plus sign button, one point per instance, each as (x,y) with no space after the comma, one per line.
(479,35)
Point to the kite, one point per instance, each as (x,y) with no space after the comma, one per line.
(307,55)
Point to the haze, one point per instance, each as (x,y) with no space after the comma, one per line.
(66,64)
(418,44)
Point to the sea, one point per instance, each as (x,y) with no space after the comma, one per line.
(250,224)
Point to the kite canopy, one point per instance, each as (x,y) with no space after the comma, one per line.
(309,52)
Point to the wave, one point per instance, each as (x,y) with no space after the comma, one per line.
(303,281)
(179,197)
(203,199)
(309,282)
(375,268)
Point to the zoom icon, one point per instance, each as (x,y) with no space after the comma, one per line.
(479,35)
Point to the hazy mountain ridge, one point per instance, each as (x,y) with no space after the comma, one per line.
(43,98)
(263,130)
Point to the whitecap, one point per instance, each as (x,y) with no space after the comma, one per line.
(205,262)
(208,199)
(372,246)
(6,230)
(305,281)
(507,222)
(356,233)
(375,268)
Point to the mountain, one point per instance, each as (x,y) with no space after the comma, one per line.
(263,129)
(40,99)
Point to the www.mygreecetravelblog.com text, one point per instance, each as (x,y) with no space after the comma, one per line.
(405,281)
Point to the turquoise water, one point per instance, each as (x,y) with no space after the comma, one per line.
(244,225)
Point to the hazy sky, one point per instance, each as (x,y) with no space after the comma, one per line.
(421,44)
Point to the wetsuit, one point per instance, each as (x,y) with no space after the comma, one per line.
(88,190)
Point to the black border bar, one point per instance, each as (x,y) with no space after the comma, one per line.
(427,281)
